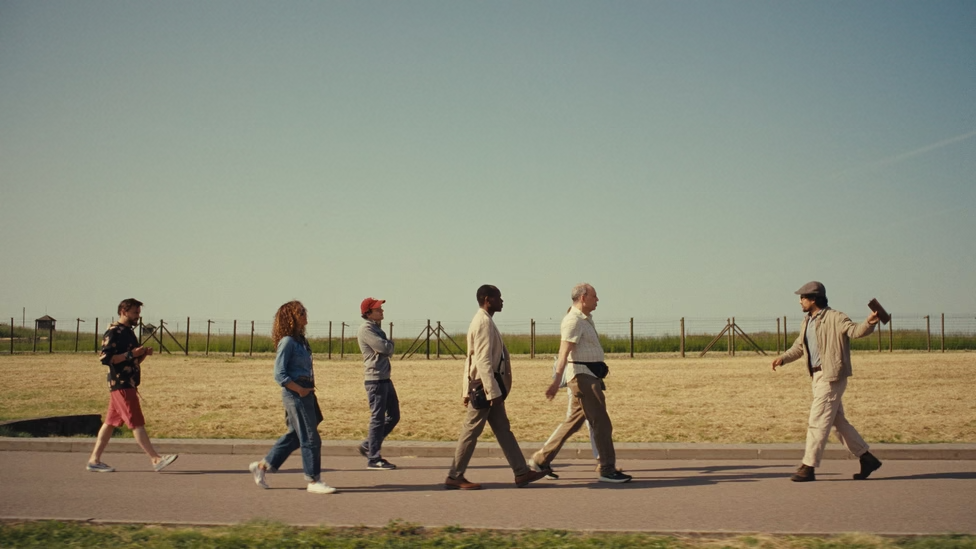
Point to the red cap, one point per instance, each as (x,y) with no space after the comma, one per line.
(369,304)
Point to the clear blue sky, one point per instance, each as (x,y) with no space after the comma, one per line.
(216,159)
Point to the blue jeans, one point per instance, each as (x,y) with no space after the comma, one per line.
(302,415)
(384,414)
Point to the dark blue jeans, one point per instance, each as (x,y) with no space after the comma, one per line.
(384,410)
(302,415)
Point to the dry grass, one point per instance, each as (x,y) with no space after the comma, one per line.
(901,397)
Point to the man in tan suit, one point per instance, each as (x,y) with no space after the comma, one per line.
(487,381)
(825,345)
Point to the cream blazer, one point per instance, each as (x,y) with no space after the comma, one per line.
(487,355)
(835,330)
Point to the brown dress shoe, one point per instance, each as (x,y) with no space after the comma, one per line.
(460,483)
(527,478)
(804,474)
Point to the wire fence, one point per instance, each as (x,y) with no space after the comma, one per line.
(431,338)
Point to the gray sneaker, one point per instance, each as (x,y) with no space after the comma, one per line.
(100,467)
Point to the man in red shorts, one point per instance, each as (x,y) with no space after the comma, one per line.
(123,355)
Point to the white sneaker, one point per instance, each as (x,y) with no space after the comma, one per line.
(258,473)
(320,488)
(165,462)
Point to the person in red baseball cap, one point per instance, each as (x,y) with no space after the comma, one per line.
(384,406)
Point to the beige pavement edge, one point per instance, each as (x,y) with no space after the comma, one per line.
(625,450)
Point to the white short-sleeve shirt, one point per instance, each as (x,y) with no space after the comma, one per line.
(579,329)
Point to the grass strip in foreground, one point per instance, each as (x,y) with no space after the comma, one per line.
(399,534)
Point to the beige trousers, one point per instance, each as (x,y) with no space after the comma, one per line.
(827,411)
(588,404)
(474,423)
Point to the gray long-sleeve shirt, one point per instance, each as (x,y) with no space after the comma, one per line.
(377,350)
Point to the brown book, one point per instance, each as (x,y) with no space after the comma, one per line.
(882,314)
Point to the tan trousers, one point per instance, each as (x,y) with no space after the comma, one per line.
(474,423)
(827,411)
(588,404)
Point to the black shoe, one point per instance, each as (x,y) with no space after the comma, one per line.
(380,465)
(869,464)
(363,450)
(617,477)
(804,474)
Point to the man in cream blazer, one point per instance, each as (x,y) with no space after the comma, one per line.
(488,368)
(825,345)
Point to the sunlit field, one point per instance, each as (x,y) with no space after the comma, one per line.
(897,397)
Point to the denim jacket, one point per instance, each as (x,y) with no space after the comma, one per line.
(294,362)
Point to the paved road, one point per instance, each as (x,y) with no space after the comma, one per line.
(908,496)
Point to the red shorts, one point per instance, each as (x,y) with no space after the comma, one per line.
(123,406)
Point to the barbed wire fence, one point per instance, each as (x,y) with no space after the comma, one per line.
(692,336)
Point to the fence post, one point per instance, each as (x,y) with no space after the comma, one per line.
(786,337)
(233,340)
(438,334)
(943,333)
(96,335)
(77,332)
(209,322)
(12,335)
(728,338)
(631,337)
(342,342)
(928,335)
(330,340)
(391,332)
(428,339)
(250,349)
(682,337)
(34,348)
(186,348)
(531,338)
(732,334)
(777,336)
(891,333)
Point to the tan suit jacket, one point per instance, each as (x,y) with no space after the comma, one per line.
(487,355)
(834,333)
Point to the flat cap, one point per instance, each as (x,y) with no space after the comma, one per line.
(812,288)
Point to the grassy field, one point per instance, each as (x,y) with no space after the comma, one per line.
(654,399)
(397,535)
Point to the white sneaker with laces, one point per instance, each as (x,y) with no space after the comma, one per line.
(258,473)
(320,488)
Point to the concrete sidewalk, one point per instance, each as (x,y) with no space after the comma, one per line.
(391,449)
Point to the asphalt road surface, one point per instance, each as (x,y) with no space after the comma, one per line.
(903,497)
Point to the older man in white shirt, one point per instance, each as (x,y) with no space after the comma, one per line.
(580,365)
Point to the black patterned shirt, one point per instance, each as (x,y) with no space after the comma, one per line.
(120,339)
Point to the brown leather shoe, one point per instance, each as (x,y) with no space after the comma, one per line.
(530,477)
(804,474)
(460,483)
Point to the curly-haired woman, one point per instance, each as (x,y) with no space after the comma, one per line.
(293,372)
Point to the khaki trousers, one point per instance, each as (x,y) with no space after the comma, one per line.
(474,423)
(588,404)
(827,411)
